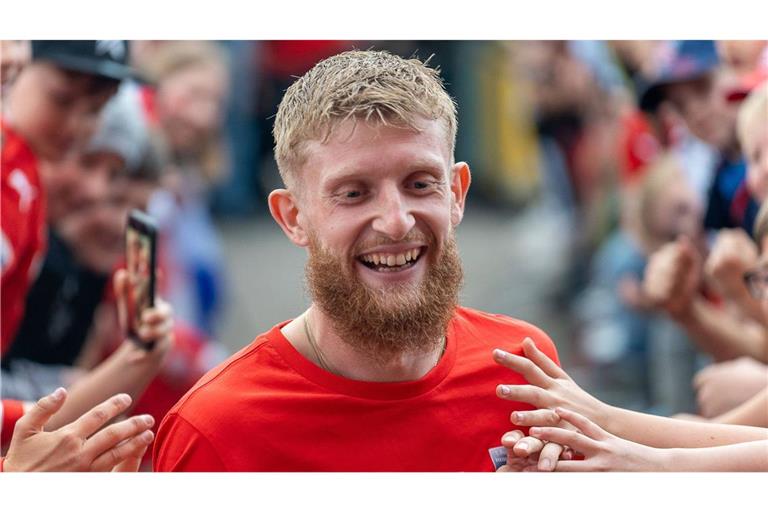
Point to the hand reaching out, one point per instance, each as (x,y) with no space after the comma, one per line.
(82,445)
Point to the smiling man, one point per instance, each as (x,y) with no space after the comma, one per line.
(384,371)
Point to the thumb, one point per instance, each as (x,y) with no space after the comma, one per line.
(120,282)
(35,419)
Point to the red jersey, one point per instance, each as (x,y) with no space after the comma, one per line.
(23,229)
(267,408)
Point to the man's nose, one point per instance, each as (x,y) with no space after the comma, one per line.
(393,218)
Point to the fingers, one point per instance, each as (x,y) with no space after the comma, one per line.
(35,419)
(115,434)
(549,456)
(541,359)
(97,417)
(582,423)
(523,393)
(523,366)
(528,446)
(132,463)
(570,466)
(121,453)
(538,418)
(575,440)
(158,314)
(510,439)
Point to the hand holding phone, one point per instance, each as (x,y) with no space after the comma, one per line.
(141,265)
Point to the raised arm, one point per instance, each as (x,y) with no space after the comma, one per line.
(551,387)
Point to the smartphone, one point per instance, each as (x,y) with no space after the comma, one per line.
(141,262)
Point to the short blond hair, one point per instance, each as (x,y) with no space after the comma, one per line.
(373,86)
(754,109)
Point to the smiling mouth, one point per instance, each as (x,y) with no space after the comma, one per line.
(392,262)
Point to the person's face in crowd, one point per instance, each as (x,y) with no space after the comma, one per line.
(378,208)
(702,105)
(14,55)
(190,105)
(741,56)
(97,233)
(756,153)
(79,180)
(677,211)
(56,111)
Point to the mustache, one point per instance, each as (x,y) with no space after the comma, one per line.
(413,236)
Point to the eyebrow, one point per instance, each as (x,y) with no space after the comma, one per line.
(355,173)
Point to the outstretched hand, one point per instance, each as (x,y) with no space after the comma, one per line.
(82,445)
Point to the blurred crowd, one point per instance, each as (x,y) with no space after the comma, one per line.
(654,154)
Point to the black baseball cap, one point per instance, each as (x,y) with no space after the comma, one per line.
(105,58)
(688,61)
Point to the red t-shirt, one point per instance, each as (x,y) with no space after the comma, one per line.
(23,229)
(267,408)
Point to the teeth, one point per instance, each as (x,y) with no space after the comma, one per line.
(392,260)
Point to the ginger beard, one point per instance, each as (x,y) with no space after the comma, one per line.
(385,322)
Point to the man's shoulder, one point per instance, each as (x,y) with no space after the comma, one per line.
(501,331)
(476,320)
(217,390)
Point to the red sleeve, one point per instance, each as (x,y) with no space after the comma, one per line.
(12,411)
(181,447)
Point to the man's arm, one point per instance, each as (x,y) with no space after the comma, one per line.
(180,447)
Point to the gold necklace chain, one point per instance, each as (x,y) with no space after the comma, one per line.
(314,346)
(321,359)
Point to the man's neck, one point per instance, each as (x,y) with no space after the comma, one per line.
(346,361)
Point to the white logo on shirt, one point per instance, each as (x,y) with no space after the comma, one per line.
(27,193)
(115,48)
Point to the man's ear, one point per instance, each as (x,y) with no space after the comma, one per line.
(460,181)
(285,210)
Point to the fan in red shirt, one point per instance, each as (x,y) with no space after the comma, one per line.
(51,108)
(384,371)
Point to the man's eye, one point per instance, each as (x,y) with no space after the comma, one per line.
(352,194)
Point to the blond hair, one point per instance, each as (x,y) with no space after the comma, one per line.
(374,86)
(754,108)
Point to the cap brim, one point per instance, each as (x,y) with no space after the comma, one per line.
(103,67)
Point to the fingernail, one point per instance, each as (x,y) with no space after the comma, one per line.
(546,464)
(516,417)
(148,420)
(534,431)
(124,398)
(499,353)
(522,446)
(508,439)
(505,390)
(147,436)
(59,393)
